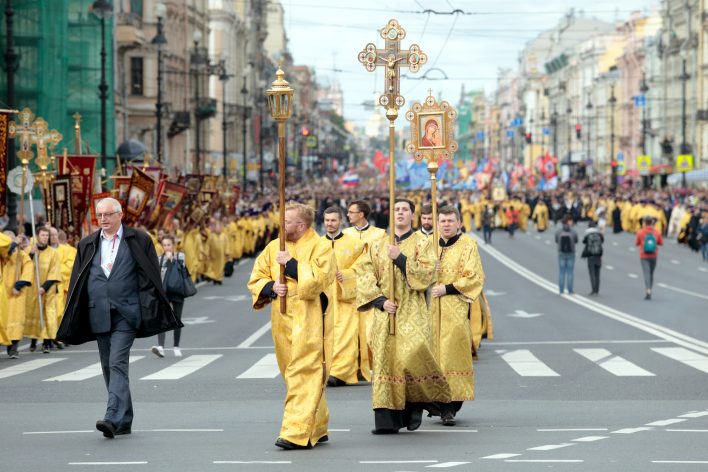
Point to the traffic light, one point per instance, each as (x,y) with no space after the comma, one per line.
(667,146)
(614,163)
(578,130)
(305,131)
(529,138)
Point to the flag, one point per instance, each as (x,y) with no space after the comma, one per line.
(349,179)
(380,161)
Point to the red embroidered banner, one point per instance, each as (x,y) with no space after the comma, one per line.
(82,171)
(142,187)
(3,164)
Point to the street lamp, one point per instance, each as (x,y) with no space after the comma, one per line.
(569,112)
(613,163)
(223,77)
(644,88)
(588,124)
(196,61)
(244,93)
(103,10)
(280,99)
(685,148)
(11,65)
(554,123)
(159,40)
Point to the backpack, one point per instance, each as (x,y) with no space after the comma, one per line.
(566,242)
(649,246)
(594,244)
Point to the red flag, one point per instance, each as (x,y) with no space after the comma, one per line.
(380,161)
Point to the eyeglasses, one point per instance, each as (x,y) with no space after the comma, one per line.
(100,216)
(350,212)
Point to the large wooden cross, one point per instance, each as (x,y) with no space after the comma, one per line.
(392,58)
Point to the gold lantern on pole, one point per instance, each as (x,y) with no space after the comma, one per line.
(280,106)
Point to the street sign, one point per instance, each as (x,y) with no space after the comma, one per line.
(546,131)
(644,164)
(684,162)
(640,101)
(509,134)
(621,165)
(480,135)
(311,141)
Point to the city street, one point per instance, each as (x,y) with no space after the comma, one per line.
(573,383)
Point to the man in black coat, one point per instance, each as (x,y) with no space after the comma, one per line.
(115,295)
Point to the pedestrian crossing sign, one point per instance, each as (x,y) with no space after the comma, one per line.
(684,162)
(644,164)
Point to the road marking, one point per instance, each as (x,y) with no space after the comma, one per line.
(679,462)
(666,422)
(230,298)
(615,365)
(181,430)
(694,414)
(94,370)
(632,276)
(109,463)
(617,341)
(184,367)
(684,356)
(265,368)
(252,462)
(398,462)
(196,320)
(550,447)
(590,438)
(631,430)
(557,430)
(28,366)
(243,261)
(703,269)
(615,243)
(59,432)
(674,261)
(449,430)
(545,460)
(537,237)
(493,293)
(524,314)
(688,430)
(681,290)
(526,364)
(548,242)
(501,456)
(330,430)
(604,310)
(631,249)
(443,465)
(609,267)
(254,337)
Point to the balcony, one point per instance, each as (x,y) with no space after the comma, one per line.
(129,30)
(702,115)
(180,122)
(207,108)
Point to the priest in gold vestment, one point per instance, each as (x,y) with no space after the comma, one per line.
(406,378)
(358,215)
(459,283)
(347,250)
(17,289)
(301,335)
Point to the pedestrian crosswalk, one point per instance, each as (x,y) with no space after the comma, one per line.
(655,362)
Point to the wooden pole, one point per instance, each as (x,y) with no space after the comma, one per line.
(281,191)
(20,222)
(433,169)
(391,114)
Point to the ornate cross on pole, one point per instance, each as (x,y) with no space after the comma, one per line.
(77,132)
(24,129)
(392,58)
(43,139)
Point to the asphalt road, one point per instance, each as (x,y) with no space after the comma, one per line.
(612,383)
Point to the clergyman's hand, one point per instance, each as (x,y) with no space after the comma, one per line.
(393,251)
(280,289)
(282,257)
(438,290)
(390,307)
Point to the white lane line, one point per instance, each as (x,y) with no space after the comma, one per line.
(180,430)
(542,461)
(703,269)
(681,290)
(631,249)
(526,364)
(615,365)
(252,462)
(443,465)
(94,370)
(550,447)
(243,261)
(687,430)
(609,267)
(265,368)
(631,430)
(184,367)
(537,237)
(557,430)
(674,261)
(398,462)
(330,430)
(618,341)
(615,243)
(28,366)
(501,456)
(446,430)
(109,463)
(666,422)
(548,242)
(684,356)
(59,432)
(632,276)
(694,414)
(604,310)
(679,462)
(590,438)
(254,337)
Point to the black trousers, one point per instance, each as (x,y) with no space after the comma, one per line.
(177,308)
(594,266)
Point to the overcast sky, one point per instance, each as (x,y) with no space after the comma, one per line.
(469,49)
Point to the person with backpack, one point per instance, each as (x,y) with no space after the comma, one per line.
(566,239)
(593,241)
(648,239)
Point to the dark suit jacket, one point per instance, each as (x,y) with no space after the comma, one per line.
(156,314)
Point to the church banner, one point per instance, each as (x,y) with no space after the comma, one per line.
(82,171)
(3,164)
(168,203)
(60,198)
(95,198)
(141,190)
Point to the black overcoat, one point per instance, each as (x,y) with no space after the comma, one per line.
(155,309)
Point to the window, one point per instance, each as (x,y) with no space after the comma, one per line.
(136,8)
(136,75)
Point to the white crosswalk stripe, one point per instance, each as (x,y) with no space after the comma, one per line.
(613,364)
(265,368)
(183,368)
(526,364)
(683,355)
(94,370)
(28,366)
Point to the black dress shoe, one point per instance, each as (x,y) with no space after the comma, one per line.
(335,382)
(384,431)
(323,439)
(107,428)
(415,421)
(289,446)
(448,418)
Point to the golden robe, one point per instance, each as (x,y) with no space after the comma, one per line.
(405,369)
(524,213)
(16,304)
(49,265)
(194,253)
(67,255)
(300,344)
(216,247)
(540,216)
(345,356)
(460,267)
(369,235)
(5,340)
